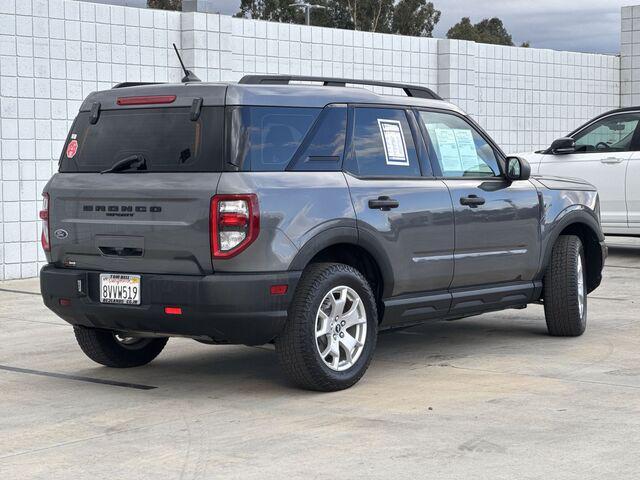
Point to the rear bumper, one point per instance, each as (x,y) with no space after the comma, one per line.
(225,308)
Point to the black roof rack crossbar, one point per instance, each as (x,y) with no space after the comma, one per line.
(134,84)
(410,90)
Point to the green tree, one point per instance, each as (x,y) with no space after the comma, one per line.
(334,15)
(272,10)
(415,17)
(371,15)
(406,17)
(165,4)
(489,30)
(367,15)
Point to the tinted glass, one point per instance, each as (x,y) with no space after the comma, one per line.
(166,138)
(383,144)
(265,138)
(611,134)
(324,150)
(458,147)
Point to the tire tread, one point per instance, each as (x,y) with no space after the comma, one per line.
(295,357)
(102,348)
(561,309)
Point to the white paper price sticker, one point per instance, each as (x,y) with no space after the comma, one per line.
(457,150)
(395,149)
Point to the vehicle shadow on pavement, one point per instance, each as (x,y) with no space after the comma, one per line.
(226,369)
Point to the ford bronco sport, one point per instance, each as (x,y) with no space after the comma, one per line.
(311,215)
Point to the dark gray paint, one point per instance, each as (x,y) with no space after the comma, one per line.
(500,240)
(417,237)
(175,240)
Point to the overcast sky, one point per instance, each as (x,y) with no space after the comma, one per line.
(576,25)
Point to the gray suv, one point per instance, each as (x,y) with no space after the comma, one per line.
(303,212)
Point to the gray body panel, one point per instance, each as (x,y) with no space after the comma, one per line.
(174,239)
(499,241)
(295,207)
(420,229)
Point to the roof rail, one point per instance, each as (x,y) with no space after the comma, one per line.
(134,84)
(410,90)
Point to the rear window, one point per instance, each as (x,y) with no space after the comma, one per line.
(264,139)
(167,139)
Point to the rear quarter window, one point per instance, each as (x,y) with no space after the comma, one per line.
(167,138)
(264,139)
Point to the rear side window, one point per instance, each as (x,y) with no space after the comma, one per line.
(383,144)
(324,147)
(167,139)
(264,139)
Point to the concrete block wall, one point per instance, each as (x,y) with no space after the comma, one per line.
(630,56)
(54,52)
(528,97)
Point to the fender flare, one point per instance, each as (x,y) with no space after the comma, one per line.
(352,236)
(577,214)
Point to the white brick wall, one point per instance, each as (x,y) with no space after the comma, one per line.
(54,52)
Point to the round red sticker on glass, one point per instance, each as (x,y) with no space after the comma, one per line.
(72,148)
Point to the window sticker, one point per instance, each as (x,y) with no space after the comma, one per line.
(467,150)
(457,150)
(449,152)
(395,149)
(72,147)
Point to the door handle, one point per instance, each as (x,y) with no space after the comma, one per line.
(383,203)
(472,201)
(611,160)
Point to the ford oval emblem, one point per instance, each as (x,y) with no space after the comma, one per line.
(60,234)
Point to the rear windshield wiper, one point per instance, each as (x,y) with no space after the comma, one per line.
(137,161)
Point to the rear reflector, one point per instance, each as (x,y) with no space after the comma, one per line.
(146,100)
(173,310)
(64,302)
(278,289)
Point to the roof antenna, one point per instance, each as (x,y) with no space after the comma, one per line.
(189,76)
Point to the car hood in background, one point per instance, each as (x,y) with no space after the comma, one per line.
(563,183)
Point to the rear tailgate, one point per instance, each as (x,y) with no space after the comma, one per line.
(150,213)
(136,223)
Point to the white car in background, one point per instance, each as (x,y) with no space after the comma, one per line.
(606,153)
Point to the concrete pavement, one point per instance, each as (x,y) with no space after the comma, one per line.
(487,397)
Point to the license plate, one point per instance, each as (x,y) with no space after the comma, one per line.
(120,288)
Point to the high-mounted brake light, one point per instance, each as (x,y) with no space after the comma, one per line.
(234,224)
(44,216)
(146,100)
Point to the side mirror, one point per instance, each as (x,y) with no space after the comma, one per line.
(563,146)
(517,169)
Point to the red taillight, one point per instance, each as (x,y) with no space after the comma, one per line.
(233,220)
(173,310)
(44,216)
(146,100)
(234,224)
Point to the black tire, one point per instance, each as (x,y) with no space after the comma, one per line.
(104,348)
(296,346)
(561,289)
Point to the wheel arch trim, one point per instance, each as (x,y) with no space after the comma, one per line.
(351,236)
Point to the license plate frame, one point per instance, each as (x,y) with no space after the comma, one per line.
(120,288)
